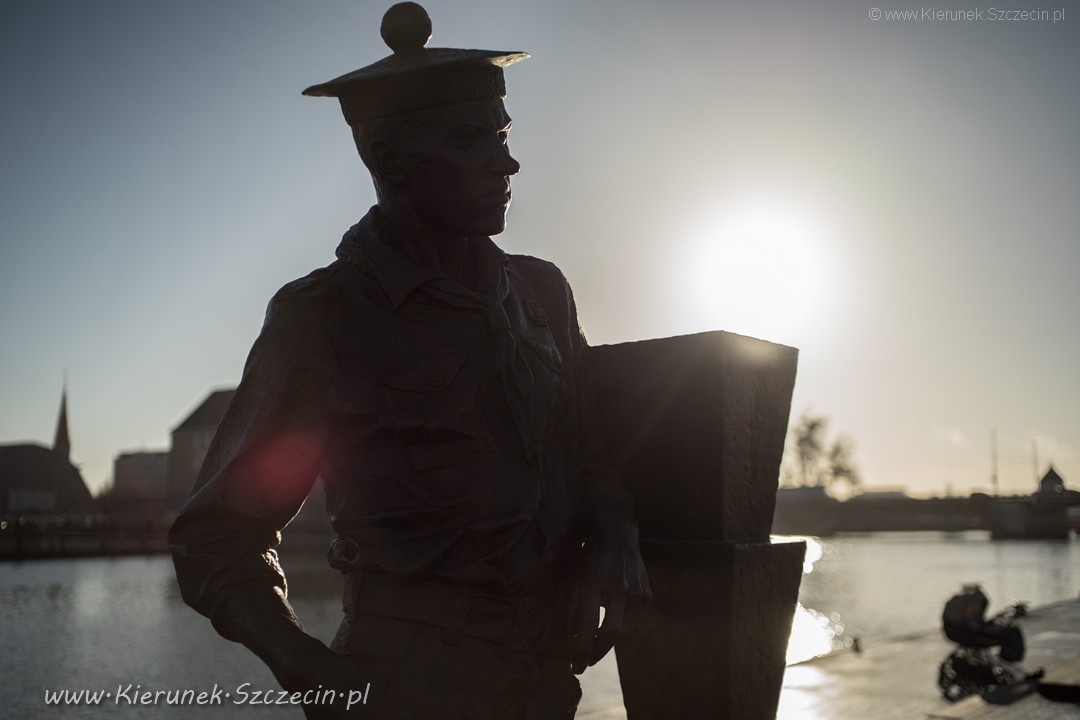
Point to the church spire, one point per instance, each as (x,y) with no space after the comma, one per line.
(62,443)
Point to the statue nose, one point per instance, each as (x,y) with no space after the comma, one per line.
(506,164)
(515,166)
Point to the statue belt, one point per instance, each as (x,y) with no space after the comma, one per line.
(525,624)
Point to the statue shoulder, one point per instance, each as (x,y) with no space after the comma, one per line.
(543,275)
(313,299)
(549,287)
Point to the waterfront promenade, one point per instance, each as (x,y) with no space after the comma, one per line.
(896,679)
(97,622)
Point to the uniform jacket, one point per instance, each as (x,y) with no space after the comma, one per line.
(451,425)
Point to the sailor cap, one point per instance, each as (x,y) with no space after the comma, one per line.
(416,77)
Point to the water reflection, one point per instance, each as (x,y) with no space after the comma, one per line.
(800,699)
(813,633)
(101,623)
(888,584)
(95,623)
(814,551)
(810,635)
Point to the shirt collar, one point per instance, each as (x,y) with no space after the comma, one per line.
(399,274)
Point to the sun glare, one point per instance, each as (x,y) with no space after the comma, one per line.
(755,266)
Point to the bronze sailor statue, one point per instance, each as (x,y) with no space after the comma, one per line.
(441,390)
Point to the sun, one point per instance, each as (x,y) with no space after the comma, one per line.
(755,266)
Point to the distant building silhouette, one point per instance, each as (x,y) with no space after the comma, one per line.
(38,480)
(1051,484)
(137,500)
(190,442)
(61,440)
(1049,513)
(1043,515)
(141,474)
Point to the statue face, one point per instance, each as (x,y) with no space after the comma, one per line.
(457,168)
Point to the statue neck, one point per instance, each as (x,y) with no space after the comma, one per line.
(448,252)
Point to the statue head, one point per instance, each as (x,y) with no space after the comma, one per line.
(430,125)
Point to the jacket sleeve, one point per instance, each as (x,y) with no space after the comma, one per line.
(603,492)
(260,467)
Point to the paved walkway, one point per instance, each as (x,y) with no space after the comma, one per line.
(895,679)
(898,678)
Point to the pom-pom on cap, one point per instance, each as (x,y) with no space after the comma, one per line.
(406,26)
(416,77)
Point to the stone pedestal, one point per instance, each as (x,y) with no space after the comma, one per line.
(696,425)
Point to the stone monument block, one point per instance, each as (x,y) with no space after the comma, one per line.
(696,425)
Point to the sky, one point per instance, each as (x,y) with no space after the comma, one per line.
(899,198)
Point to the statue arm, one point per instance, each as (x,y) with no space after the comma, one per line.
(615,576)
(260,467)
(604,495)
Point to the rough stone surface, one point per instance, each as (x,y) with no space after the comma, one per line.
(712,645)
(696,425)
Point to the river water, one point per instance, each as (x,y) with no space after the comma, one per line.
(110,623)
(881,585)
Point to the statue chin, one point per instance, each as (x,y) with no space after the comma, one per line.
(484,226)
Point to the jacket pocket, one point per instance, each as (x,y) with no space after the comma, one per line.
(434,409)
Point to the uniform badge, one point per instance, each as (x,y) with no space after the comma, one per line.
(536,314)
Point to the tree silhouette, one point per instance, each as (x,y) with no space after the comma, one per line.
(811,460)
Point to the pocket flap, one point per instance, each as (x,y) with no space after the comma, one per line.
(426,373)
